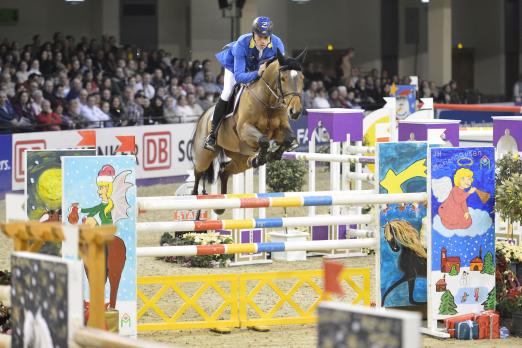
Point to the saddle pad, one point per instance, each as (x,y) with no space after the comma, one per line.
(237,95)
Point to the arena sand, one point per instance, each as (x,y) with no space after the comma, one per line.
(278,336)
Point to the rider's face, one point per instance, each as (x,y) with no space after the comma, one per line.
(261,41)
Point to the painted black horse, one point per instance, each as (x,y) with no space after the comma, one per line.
(403,237)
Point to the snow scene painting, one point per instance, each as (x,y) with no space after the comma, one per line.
(46,308)
(403,258)
(102,191)
(463,230)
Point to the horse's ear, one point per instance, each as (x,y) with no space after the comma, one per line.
(301,57)
(280,57)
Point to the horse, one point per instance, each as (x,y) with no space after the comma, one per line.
(262,115)
(403,237)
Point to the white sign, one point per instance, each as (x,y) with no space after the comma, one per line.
(161,151)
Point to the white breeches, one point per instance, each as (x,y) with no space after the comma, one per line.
(228,85)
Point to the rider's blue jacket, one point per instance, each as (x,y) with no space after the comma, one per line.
(242,57)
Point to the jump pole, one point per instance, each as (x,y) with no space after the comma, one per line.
(186,226)
(219,249)
(153,204)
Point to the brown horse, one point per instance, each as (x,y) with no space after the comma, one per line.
(262,115)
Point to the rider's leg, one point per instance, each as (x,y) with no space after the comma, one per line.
(220,110)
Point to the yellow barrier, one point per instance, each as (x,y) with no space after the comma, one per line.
(240,300)
(210,284)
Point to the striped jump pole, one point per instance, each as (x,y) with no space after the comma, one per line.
(218,249)
(318,220)
(361,149)
(256,195)
(352,232)
(325,157)
(361,176)
(152,203)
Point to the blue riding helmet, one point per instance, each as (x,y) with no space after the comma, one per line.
(262,26)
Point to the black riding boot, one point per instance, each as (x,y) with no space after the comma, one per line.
(217,118)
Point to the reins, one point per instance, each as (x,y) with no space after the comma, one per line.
(280,97)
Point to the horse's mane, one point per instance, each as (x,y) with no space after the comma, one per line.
(291,64)
(288,64)
(406,235)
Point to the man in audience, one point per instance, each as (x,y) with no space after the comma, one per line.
(133,112)
(93,114)
(48,92)
(192,102)
(148,90)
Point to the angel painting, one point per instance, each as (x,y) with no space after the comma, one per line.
(111,189)
(454,212)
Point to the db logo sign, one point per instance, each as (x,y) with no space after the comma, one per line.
(19,148)
(157,151)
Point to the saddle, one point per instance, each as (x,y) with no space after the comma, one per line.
(228,138)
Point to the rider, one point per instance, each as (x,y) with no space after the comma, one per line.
(242,62)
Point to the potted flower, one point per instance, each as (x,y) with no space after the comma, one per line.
(512,254)
(511,307)
(287,176)
(198,238)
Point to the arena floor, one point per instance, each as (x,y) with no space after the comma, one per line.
(287,336)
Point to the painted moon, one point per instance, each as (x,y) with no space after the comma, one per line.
(49,188)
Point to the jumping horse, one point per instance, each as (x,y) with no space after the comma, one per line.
(263,114)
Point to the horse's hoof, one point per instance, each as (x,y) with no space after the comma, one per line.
(219,211)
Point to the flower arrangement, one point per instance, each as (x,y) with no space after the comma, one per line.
(512,302)
(508,289)
(198,238)
(5,319)
(510,252)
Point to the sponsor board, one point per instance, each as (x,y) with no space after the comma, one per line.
(6,164)
(161,151)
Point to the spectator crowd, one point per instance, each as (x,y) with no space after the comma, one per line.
(349,87)
(88,83)
(70,84)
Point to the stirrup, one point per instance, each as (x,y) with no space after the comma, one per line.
(210,143)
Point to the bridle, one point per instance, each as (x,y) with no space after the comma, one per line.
(279,93)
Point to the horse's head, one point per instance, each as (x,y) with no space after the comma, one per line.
(389,235)
(290,82)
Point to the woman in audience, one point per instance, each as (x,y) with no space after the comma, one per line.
(23,107)
(157,109)
(183,109)
(47,119)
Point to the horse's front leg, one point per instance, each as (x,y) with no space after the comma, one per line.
(257,140)
(286,140)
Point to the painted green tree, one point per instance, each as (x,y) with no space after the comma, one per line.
(491,301)
(447,304)
(489,266)
(453,271)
